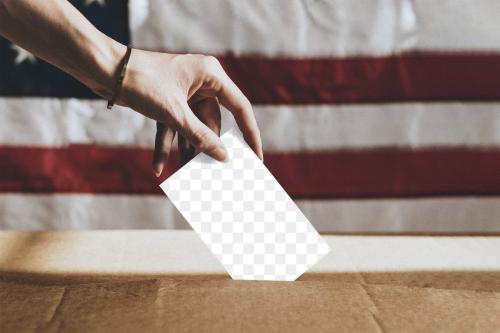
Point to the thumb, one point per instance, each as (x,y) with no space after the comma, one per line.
(202,137)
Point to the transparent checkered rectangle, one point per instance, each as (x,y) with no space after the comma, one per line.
(244,216)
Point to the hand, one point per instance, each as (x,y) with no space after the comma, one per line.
(182,93)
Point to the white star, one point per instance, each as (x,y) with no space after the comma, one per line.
(22,55)
(101,3)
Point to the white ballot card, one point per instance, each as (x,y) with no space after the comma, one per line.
(244,216)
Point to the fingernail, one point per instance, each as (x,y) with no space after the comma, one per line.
(158,168)
(220,154)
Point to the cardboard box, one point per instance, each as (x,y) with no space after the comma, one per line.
(152,281)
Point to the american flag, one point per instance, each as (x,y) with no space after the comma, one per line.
(376,115)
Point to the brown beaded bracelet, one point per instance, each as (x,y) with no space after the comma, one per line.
(119,83)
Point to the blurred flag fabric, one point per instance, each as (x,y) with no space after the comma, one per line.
(376,115)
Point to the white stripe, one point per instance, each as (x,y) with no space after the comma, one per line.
(311,28)
(405,215)
(365,126)
(57,123)
(82,211)
(87,211)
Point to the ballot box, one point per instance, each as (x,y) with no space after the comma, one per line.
(168,281)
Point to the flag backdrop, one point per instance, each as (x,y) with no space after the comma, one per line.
(376,115)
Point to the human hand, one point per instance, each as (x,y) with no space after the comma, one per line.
(182,93)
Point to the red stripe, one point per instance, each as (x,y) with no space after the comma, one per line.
(336,174)
(408,77)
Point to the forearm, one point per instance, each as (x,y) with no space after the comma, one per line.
(57,32)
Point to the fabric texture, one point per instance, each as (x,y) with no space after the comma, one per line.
(376,115)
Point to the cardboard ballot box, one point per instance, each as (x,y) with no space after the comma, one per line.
(167,281)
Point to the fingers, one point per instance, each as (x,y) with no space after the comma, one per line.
(200,136)
(186,150)
(208,111)
(233,99)
(163,145)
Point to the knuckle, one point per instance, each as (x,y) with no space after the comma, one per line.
(211,64)
(203,141)
(200,138)
(211,60)
(179,59)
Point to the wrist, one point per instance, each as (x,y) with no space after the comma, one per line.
(107,57)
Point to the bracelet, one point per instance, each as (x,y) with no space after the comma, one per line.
(119,83)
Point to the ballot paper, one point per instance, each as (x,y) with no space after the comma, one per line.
(244,216)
